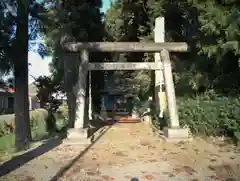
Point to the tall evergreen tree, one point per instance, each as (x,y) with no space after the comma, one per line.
(210,27)
(14,19)
(80,21)
(22,131)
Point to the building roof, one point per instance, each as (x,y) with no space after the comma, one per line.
(32,90)
(7,89)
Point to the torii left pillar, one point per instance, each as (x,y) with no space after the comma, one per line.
(79,132)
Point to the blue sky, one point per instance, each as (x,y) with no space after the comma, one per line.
(39,66)
(106,5)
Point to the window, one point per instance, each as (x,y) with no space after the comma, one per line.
(10,102)
(1,102)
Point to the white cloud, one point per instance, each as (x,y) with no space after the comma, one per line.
(38,67)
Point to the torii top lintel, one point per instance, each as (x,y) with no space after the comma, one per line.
(126,46)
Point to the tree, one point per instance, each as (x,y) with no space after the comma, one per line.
(22,126)
(210,28)
(46,88)
(14,57)
(129,21)
(6,39)
(75,21)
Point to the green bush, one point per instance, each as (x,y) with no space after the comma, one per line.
(215,116)
(7,142)
(37,117)
(61,117)
(63,110)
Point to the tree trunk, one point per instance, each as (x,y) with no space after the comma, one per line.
(71,101)
(22,120)
(70,78)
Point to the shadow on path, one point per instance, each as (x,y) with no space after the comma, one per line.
(71,163)
(20,160)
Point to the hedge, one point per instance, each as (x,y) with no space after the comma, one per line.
(61,117)
(8,141)
(37,117)
(217,117)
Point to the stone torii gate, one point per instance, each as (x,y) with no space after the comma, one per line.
(162,67)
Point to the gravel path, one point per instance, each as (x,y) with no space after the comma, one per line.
(130,152)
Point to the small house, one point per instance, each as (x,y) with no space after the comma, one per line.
(6,100)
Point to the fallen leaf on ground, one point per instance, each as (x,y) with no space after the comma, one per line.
(127,177)
(119,153)
(149,177)
(171,175)
(215,177)
(213,160)
(107,177)
(152,160)
(91,173)
(28,178)
(152,146)
(166,173)
(145,143)
(220,168)
(186,169)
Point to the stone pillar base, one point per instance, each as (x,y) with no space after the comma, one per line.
(77,136)
(176,134)
(147,119)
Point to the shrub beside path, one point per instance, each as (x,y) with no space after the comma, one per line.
(130,151)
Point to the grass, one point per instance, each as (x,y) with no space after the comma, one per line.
(39,133)
(7,142)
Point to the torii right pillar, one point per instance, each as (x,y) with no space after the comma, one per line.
(165,77)
(160,95)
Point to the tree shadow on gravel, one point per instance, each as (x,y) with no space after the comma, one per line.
(64,169)
(18,161)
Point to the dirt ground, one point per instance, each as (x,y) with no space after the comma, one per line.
(131,152)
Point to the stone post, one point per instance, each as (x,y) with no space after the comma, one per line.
(71,61)
(103,108)
(170,90)
(81,90)
(159,37)
(174,131)
(90,98)
(79,131)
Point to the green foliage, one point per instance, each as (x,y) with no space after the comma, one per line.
(63,110)
(130,21)
(78,21)
(211,29)
(216,116)
(7,141)
(46,88)
(6,30)
(40,129)
(37,117)
(61,116)
(237,136)
(8,25)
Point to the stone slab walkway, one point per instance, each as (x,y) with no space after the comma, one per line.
(130,152)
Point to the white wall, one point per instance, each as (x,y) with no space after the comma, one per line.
(33,103)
